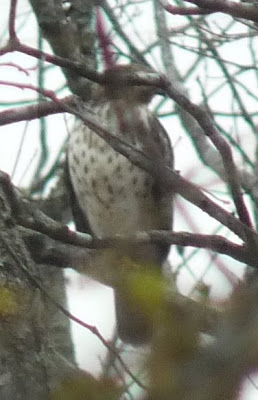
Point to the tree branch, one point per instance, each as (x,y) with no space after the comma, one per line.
(28,216)
(28,113)
(237,10)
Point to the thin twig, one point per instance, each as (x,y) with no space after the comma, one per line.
(12,15)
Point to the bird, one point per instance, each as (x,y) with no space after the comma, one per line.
(110,195)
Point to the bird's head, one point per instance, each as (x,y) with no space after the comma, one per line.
(119,84)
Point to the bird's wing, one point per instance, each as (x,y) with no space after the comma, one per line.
(80,218)
(158,144)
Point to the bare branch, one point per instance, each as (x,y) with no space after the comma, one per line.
(237,10)
(28,113)
(70,36)
(12,16)
(30,217)
(219,142)
(175,10)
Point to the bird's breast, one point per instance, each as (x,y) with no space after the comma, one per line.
(116,196)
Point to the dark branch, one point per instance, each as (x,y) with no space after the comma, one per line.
(28,216)
(29,113)
(232,8)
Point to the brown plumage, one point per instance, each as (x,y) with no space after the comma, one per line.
(113,195)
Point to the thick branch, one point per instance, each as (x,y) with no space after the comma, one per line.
(28,216)
(29,322)
(71,38)
(232,8)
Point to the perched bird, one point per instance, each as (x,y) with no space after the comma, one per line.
(111,195)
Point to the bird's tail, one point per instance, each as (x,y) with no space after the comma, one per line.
(133,325)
